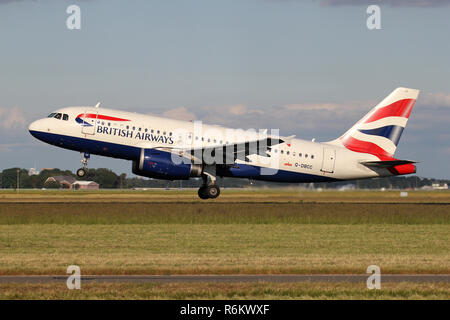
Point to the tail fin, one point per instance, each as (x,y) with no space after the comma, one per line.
(379,131)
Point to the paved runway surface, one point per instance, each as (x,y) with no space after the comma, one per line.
(231,278)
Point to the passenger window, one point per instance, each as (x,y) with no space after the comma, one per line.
(146,129)
(306,156)
(287,152)
(300,154)
(312,156)
(152,131)
(128,127)
(282,151)
(139,129)
(170,133)
(65,117)
(134,128)
(157,132)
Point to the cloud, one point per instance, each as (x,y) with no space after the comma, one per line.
(241,109)
(439,99)
(11,119)
(445,150)
(11,1)
(313,106)
(392,3)
(321,120)
(8,147)
(180,113)
(238,109)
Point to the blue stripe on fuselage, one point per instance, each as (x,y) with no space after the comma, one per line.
(125,152)
(97,147)
(259,173)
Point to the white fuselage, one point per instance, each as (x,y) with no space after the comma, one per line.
(122,134)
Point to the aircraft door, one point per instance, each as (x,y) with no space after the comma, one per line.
(89,123)
(329,158)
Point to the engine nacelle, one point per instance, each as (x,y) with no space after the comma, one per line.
(165,165)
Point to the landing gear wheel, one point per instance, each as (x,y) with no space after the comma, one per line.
(81,172)
(202,193)
(212,191)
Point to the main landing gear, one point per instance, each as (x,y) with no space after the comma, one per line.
(209,189)
(82,171)
(209,192)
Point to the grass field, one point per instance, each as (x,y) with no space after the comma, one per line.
(224,291)
(227,195)
(223,248)
(245,232)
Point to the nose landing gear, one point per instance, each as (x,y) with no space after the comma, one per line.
(82,171)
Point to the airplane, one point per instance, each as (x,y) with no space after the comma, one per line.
(163,148)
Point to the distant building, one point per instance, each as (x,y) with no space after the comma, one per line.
(33,172)
(347,187)
(85,185)
(65,182)
(437,186)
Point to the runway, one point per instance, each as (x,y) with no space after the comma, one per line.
(416,278)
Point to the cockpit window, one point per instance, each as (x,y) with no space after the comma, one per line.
(59,116)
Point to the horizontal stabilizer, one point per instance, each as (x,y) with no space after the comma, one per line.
(387,163)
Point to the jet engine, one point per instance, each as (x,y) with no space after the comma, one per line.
(159,164)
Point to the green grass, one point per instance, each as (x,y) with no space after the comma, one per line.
(242,232)
(222,213)
(227,195)
(92,290)
(223,248)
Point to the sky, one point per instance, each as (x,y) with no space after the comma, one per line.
(309,68)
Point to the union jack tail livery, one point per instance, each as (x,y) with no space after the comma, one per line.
(379,131)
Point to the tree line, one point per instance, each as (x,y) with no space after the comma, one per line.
(10,178)
(107,179)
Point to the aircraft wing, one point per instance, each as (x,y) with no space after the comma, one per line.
(229,153)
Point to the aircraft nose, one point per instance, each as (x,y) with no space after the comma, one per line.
(35,127)
(32,126)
